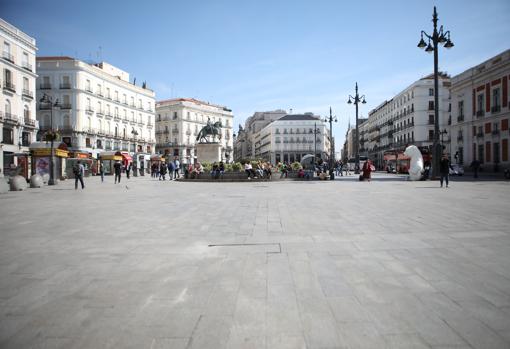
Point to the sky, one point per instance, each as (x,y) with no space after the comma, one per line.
(264,55)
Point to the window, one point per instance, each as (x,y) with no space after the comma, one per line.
(25,85)
(480,103)
(431,105)
(431,91)
(124,99)
(99,90)
(175,115)
(189,115)
(108,93)
(87,86)
(7,135)
(117,96)
(24,61)
(431,119)
(461,108)
(496,101)
(431,135)
(7,51)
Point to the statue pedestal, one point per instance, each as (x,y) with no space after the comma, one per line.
(208,152)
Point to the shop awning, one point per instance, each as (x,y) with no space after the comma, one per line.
(126,157)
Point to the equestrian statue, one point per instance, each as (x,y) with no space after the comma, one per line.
(210,130)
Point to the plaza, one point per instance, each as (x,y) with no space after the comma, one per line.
(285,264)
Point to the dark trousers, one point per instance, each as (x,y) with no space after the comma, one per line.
(127,174)
(444,176)
(76,179)
(102,176)
(117,177)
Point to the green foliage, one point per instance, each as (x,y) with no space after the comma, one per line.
(296,166)
(207,166)
(236,166)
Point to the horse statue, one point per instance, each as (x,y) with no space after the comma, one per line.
(416,162)
(210,130)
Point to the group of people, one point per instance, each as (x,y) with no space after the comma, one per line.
(261,170)
(160,169)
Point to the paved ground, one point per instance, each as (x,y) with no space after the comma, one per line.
(344,264)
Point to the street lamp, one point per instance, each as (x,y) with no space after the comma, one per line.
(332,146)
(135,163)
(437,37)
(315,131)
(49,101)
(356,99)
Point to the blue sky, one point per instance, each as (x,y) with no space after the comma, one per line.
(265,55)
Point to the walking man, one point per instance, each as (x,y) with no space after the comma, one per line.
(79,172)
(444,170)
(117,169)
(128,169)
(101,171)
(176,168)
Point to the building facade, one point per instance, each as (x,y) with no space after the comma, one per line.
(179,121)
(98,108)
(17,113)
(291,137)
(407,119)
(481,110)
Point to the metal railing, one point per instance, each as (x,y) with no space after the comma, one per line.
(27,66)
(65,86)
(480,113)
(7,56)
(28,93)
(45,86)
(9,86)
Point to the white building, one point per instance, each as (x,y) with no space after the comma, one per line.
(98,108)
(17,113)
(180,120)
(481,110)
(246,138)
(408,118)
(291,137)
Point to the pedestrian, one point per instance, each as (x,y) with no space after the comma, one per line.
(444,170)
(162,171)
(368,168)
(475,165)
(171,171)
(128,169)
(118,170)
(79,173)
(177,165)
(101,171)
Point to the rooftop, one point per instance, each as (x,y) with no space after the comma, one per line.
(299,117)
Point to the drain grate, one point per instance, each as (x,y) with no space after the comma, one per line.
(275,247)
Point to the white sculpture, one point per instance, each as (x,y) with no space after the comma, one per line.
(416,163)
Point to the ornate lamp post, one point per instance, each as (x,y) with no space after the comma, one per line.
(330,119)
(52,136)
(356,99)
(437,37)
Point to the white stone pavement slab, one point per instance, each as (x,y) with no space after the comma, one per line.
(342,264)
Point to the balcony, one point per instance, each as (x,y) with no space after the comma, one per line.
(65,106)
(100,93)
(116,117)
(431,122)
(480,113)
(28,94)
(9,86)
(29,122)
(89,109)
(116,100)
(460,138)
(8,57)
(479,135)
(495,132)
(100,113)
(45,86)
(65,86)
(108,115)
(10,118)
(496,109)
(27,66)
(66,129)
(88,89)
(460,118)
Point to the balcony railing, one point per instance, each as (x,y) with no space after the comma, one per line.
(496,109)
(100,113)
(27,66)
(28,94)
(460,118)
(89,109)
(10,117)
(479,135)
(460,138)
(495,132)
(7,56)
(9,86)
(65,86)
(29,122)
(65,106)
(45,86)
(480,113)
(44,106)
(431,122)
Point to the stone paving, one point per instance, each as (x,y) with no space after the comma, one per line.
(343,264)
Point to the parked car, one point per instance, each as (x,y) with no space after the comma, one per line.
(456,170)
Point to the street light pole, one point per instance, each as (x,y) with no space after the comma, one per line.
(314,144)
(437,37)
(332,147)
(356,99)
(47,99)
